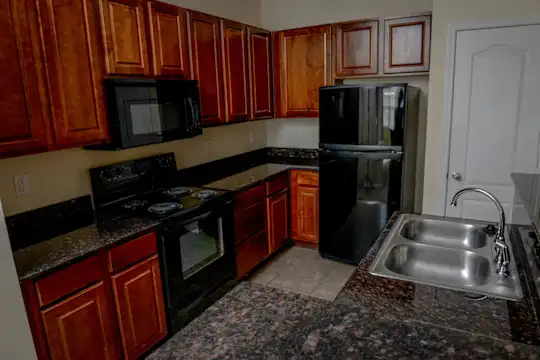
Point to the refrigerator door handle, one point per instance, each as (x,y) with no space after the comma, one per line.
(366,155)
(346,147)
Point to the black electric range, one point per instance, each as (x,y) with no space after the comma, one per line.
(196,235)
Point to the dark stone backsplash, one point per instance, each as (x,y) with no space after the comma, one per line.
(222,168)
(35,226)
(292,152)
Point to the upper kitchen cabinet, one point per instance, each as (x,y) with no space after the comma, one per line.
(124,33)
(302,61)
(168,39)
(235,70)
(206,65)
(260,73)
(356,48)
(23,109)
(407,44)
(71,41)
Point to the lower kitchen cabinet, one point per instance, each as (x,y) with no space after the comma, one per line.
(72,311)
(277,209)
(251,253)
(138,295)
(305,206)
(261,222)
(81,327)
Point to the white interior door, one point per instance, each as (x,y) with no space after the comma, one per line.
(495,116)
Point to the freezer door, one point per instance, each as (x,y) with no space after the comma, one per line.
(362,115)
(358,194)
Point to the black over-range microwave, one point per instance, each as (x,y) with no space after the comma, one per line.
(149,111)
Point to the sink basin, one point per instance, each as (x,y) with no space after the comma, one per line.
(449,253)
(445,266)
(447,234)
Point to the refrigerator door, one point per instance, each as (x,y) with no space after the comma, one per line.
(363,115)
(358,193)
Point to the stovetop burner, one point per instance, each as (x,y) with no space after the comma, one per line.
(164,208)
(178,191)
(204,194)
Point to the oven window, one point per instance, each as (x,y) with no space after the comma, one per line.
(201,243)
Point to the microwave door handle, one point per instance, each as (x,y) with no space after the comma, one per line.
(192,109)
(186,123)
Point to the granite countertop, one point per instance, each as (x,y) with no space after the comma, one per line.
(372,318)
(254,175)
(39,259)
(260,322)
(395,299)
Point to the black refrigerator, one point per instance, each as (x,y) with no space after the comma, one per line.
(367,164)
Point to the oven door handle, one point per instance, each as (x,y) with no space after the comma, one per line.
(197,218)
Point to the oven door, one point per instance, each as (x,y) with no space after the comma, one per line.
(197,254)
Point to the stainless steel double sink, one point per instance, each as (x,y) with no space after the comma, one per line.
(449,253)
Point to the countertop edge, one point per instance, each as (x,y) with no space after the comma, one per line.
(34,274)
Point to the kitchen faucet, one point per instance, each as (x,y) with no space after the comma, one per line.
(501,255)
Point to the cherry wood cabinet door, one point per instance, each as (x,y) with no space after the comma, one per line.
(302,60)
(307,214)
(82,327)
(168,35)
(23,108)
(71,41)
(260,73)
(251,253)
(277,209)
(235,70)
(124,32)
(140,307)
(206,65)
(356,48)
(407,44)
(305,205)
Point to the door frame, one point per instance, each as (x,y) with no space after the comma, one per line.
(446,126)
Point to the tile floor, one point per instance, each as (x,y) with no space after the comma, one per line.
(304,271)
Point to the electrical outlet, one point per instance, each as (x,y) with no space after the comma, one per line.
(251,136)
(22,185)
(207,147)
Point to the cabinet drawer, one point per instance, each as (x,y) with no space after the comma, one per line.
(68,280)
(132,252)
(251,253)
(277,183)
(310,178)
(249,197)
(249,222)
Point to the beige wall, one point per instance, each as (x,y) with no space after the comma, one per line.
(446,13)
(62,175)
(293,133)
(246,11)
(288,14)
